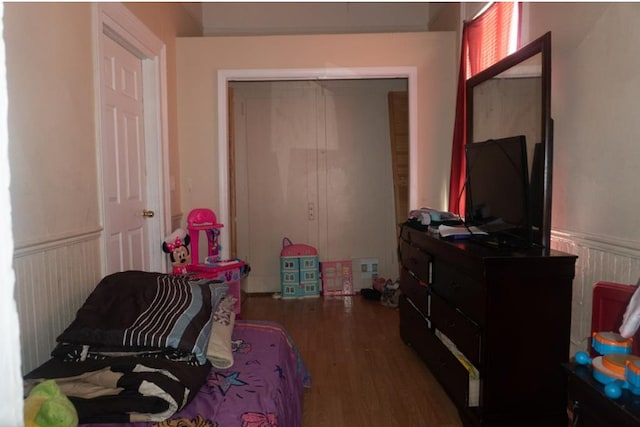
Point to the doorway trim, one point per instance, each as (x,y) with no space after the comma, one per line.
(226,76)
(120,24)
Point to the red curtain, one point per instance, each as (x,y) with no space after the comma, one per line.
(485,40)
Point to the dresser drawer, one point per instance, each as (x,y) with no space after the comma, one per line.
(451,374)
(459,290)
(415,330)
(414,327)
(415,290)
(415,260)
(464,333)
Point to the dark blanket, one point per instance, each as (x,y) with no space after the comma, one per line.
(137,309)
(136,350)
(124,389)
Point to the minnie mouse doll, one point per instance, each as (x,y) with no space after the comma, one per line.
(176,245)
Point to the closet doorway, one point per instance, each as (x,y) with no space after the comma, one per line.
(312,161)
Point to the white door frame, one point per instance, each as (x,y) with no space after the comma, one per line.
(225,76)
(120,24)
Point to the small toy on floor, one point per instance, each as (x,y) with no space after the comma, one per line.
(384,290)
(378,284)
(375,292)
(391,294)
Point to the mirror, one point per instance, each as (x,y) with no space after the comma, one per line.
(513,97)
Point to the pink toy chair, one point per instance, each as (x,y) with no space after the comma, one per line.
(203,219)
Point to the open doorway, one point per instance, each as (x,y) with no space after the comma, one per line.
(313,163)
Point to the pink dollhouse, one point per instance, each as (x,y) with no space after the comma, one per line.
(299,272)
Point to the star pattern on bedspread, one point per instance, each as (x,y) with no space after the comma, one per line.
(186,422)
(240,346)
(280,372)
(225,382)
(259,419)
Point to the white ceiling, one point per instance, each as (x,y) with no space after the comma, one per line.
(269,18)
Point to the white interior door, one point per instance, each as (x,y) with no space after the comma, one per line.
(123,159)
(357,194)
(276,182)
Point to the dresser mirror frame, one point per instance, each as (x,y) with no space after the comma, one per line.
(513,97)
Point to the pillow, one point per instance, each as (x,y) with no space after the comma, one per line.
(219,350)
(137,309)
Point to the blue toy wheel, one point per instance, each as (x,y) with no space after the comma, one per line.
(582,358)
(613,390)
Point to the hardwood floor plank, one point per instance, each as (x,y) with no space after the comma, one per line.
(362,372)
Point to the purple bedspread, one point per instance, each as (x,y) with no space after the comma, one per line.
(263,388)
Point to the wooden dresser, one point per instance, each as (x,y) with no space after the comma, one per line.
(504,314)
(592,408)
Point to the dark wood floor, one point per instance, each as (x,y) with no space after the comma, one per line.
(363,374)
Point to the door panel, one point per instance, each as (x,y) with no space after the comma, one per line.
(399,131)
(359,192)
(123,156)
(277,144)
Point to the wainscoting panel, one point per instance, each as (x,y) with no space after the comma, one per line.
(52,281)
(599,259)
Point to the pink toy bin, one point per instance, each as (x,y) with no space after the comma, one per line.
(230,272)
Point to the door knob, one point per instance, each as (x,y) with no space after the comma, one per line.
(148,213)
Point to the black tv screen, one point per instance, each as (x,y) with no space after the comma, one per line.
(497,187)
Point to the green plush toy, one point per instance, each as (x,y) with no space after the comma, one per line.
(47,406)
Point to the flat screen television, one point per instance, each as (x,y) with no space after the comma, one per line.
(497,189)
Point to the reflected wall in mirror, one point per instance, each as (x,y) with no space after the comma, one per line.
(513,97)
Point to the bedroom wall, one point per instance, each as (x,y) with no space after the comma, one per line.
(52,153)
(199,60)
(55,192)
(595,92)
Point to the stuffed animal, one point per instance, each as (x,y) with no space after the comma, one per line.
(47,406)
(177,246)
(391,294)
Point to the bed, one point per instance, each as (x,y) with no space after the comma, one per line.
(149,349)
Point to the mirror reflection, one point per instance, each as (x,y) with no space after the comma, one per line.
(511,98)
(510,104)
